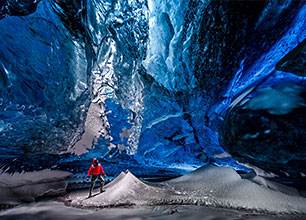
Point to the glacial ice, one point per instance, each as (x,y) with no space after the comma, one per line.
(278,101)
(160,76)
(45,94)
(268,131)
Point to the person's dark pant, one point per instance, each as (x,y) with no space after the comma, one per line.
(93,180)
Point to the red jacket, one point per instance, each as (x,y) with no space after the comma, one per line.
(95,170)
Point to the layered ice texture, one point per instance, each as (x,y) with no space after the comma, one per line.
(148,83)
(44,83)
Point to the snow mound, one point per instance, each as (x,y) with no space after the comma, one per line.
(209,186)
(125,190)
(223,187)
(27,186)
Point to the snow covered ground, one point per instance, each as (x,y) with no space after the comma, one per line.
(207,193)
(27,186)
(125,190)
(208,186)
(52,210)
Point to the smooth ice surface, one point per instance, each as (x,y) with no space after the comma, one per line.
(209,186)
(27,186)
(278,101)
(267,130)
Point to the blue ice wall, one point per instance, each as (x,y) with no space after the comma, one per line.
(162,76)
(44,83)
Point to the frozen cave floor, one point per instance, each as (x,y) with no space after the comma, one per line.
(209,186)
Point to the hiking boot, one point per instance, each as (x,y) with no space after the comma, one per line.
(102,190)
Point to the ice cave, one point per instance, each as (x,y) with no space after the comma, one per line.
(195,108)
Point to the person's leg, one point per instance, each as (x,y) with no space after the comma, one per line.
(102,182)
(92,184)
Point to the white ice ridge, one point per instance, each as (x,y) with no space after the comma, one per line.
(209,186)
(27,186)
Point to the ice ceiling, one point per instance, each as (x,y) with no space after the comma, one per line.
(153,85)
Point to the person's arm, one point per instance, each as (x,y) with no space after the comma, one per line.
(89,172)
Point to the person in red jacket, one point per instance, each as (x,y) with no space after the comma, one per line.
(96,170)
